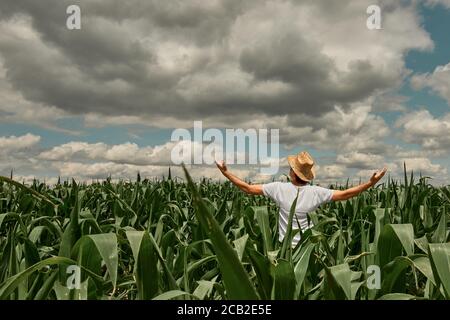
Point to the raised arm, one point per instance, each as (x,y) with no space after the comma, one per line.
(255,189)
(339,195)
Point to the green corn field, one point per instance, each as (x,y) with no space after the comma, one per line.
(179,239)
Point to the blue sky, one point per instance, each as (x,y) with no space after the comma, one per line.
(436,21)
(109,95)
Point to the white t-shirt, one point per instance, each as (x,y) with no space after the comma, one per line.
(309,199)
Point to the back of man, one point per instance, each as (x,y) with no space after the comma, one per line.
(309,199)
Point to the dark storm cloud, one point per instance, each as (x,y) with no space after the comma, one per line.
(168,58)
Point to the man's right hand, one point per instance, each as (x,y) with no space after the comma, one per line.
(222,166)
(255,189)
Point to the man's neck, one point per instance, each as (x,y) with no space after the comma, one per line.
(298,184)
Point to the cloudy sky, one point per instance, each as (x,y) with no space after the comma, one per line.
(105,99)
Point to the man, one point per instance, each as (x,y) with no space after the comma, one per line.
(309,197)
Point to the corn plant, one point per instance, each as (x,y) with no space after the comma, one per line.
(180,239)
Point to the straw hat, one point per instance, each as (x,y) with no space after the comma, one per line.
(303,165)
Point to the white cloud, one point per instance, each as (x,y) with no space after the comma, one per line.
(129,153)
(423,165)
(13,144)
(160,61)
(393,170)
(68,150)
(96,120)
(360,160)
(14,107)
(438,81)
(356,130)
(169,153)
(244,64)
(29,179)
(401,152)
(389,102)
(327,172)
(102,170)
(422,128)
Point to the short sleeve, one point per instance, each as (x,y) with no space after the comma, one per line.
(270,189)
(324,195)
